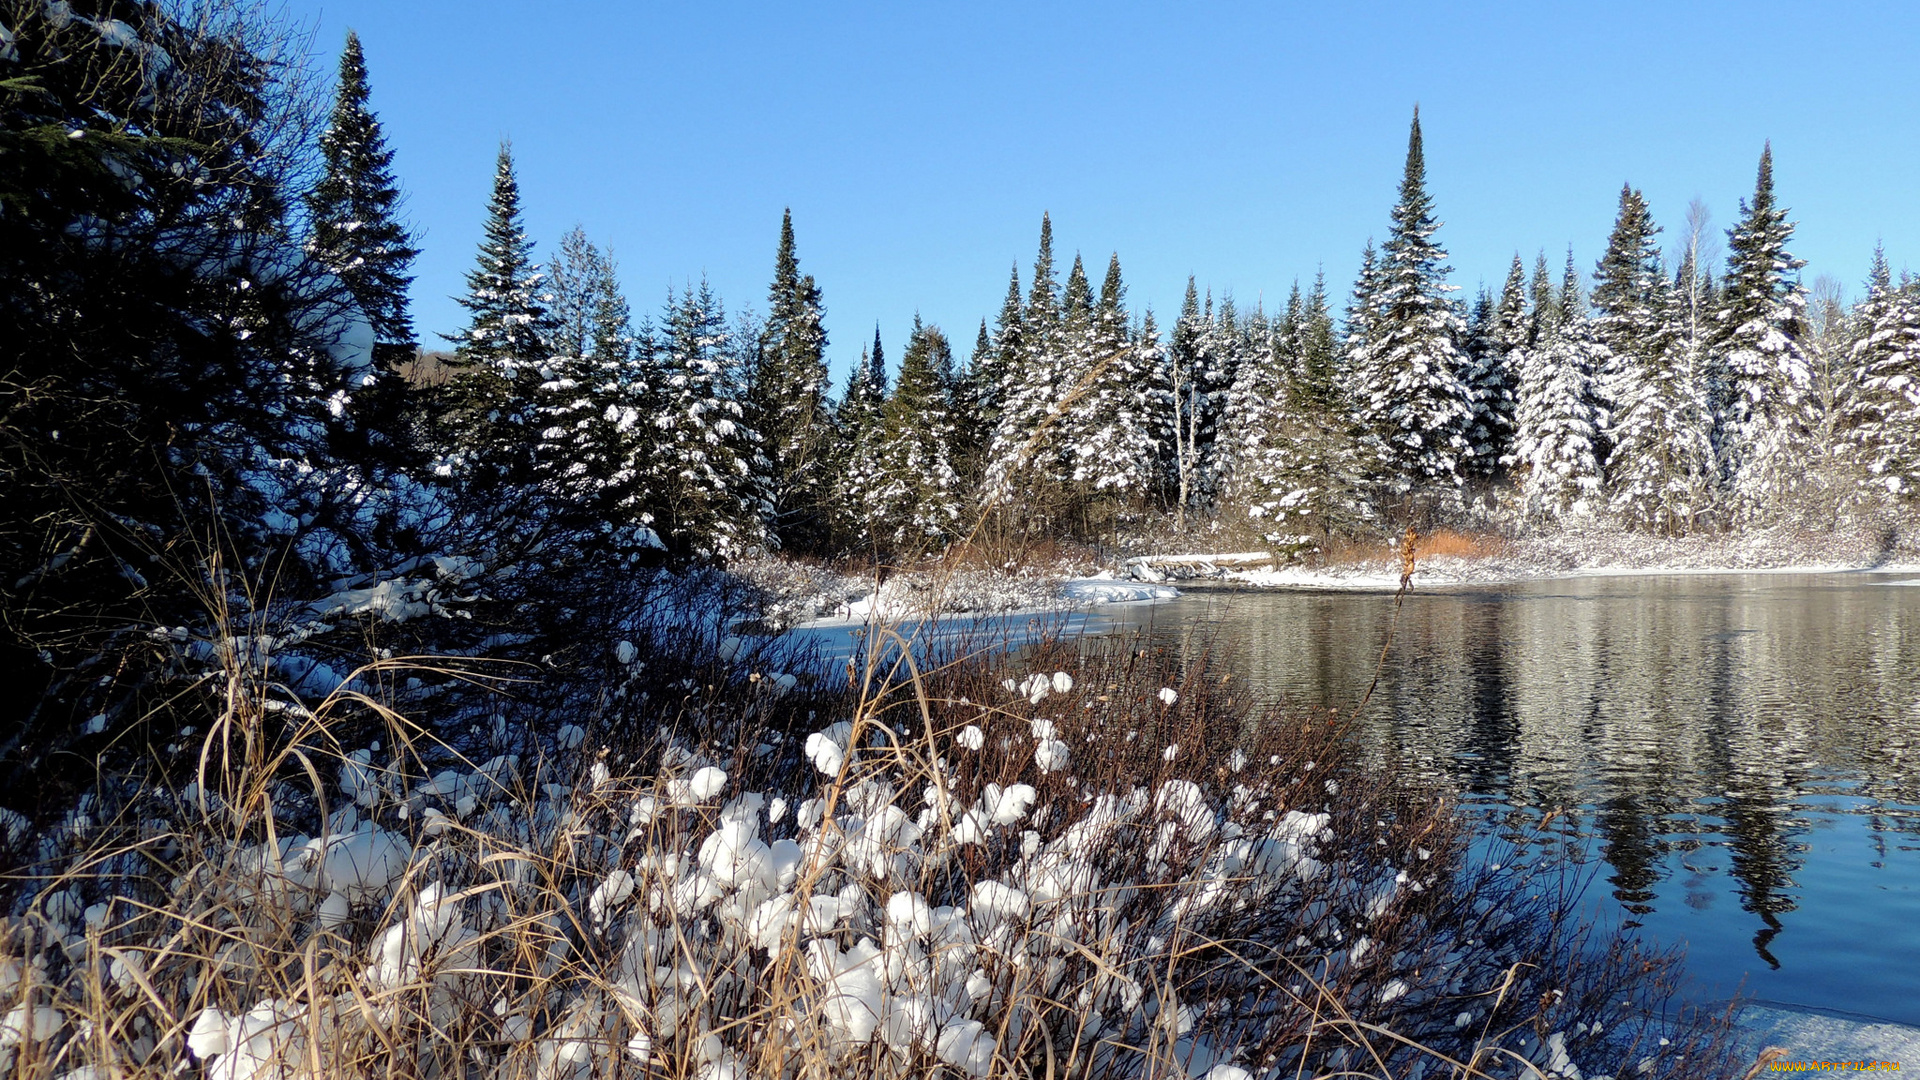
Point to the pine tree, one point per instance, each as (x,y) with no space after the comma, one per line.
(1883,421)
(487,422)
(1406,367)
(1555,459)
(786,401)
(1758,345)
(916,505)
(356,233)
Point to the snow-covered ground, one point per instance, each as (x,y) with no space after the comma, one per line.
(1600,552)
(1808,1036)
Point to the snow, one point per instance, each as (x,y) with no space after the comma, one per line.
(1110,591)
(1810,1035)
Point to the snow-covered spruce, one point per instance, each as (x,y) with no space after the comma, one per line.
(1044,876)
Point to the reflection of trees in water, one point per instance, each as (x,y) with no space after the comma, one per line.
(1685,711)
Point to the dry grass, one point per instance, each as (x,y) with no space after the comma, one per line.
(586,914)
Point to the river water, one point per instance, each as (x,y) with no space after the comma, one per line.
(1736,757)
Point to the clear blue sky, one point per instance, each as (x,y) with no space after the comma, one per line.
(1244,144)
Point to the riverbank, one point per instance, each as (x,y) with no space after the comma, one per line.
(1602,552)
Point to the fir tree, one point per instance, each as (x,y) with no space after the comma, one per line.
(1406,367)
(1555,459)
(861,473)
(356,233)
(1758,344)
(786,402)
(1661,471)
(1629,314)
(1109,447)
(917,504)
(1883,421)
(488,420)
(1031,384)
(706,499)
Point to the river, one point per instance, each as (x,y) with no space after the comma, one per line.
(1736,756)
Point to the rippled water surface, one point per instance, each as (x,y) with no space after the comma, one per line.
(1740,754)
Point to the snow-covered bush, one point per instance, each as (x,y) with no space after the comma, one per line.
(1001,869)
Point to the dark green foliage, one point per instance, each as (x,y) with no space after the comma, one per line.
(485,423)
(356,234)
(161,339)
(786,402)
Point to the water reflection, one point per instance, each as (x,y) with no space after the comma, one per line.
(1721,740)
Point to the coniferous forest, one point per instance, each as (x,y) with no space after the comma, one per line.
(382,698)
(210,352)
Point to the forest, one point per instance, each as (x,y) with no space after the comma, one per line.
(254,521)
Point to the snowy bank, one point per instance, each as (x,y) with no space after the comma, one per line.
(1578,553)
(1809,1035)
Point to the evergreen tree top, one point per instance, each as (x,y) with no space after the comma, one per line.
(786,265)
(1077,303)
(1879,276)
(1572,302)
(509,315)
(1043,302)
(1112,291)
(355,231)
(1410,241)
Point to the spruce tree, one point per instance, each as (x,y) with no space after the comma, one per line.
(1555,460)
(972,390)
(1110,447)
(354,210)
(1031,383)
(1758,324)
(860,472)
(572,453)
(1490,433)
(1883,421)
(1410,396)
(487,421)
(917,504)
(1660,471)
(1546,302)
(1628,278)
(1186,345)
(355,235)
(786,402)
(705,495)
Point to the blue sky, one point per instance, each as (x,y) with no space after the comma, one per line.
(1246,144)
